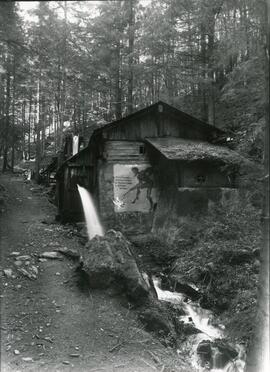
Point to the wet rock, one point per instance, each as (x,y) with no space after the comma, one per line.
(216,353)
(204,351)
(227,350)
(109,260)
(180,285)
(186,328)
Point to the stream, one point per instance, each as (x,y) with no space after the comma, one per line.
(208,349)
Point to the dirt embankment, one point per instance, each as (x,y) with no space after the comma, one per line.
(49,322)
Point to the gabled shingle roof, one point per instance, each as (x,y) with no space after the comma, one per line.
(170,110)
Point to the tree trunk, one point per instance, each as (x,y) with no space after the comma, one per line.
(37,164)
(7,120)
(43,125)
(130,57)
(118,90)
(29,126)
(202,89)
(23,126)
(63,80)
(210,67)
(13,115)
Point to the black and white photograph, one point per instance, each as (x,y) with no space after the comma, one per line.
(134,186)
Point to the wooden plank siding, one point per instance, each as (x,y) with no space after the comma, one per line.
(158,125)
(124,151)
(136,129)
(158,120)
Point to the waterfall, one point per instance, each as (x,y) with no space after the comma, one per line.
(93,224)
(75,145)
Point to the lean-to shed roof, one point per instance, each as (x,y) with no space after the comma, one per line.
(191,150)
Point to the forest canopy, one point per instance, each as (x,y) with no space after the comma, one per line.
(75,64)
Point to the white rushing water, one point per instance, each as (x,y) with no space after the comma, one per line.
(75,145)
(201,319)
(173,297)
(93,224)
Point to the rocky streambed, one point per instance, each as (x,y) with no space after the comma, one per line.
(206,346)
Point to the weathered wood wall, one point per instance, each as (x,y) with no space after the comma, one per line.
(124,151)
(78,170)
(158,125)
(120,152)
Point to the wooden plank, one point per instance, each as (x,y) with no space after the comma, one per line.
(121,150)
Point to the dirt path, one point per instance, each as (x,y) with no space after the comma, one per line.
(52,321)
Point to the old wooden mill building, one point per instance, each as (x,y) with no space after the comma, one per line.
(156,163)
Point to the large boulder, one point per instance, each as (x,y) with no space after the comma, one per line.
(224,353)
(204,351)
(216,354)
(99,263)
(108,260)
(179,284)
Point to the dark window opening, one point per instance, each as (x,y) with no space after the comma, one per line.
(201,178)
(142,150)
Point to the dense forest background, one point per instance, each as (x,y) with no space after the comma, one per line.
(72,64)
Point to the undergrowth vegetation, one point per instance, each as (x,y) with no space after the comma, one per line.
(224,263)
(219,253)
